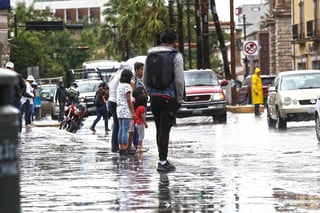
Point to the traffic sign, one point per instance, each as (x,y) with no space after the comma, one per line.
(251,48)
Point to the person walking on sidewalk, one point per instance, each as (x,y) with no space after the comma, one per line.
(257,91)
(101,99)
(125,111)
(165,102)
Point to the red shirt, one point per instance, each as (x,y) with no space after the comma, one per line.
(139,110)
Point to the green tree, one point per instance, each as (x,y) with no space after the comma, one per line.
(132,26)
(54,52)
(139,23)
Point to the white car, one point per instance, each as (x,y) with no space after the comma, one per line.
(292,97)
(317,116)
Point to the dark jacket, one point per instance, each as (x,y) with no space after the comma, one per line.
(62,94)
(99,100)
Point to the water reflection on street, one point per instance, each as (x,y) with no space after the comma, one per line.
(241,166)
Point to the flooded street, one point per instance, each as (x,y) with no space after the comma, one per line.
(242,166)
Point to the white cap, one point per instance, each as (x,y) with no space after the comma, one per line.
(9,65)
(30,78)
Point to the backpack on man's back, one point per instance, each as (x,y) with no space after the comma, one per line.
(160,69)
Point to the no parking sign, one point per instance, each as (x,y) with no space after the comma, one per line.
(251,48)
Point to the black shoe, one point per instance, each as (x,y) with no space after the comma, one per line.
(127,152)
(122,152)
(92,129)
(167,167)
(131,152)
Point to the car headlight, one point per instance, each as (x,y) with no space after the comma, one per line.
(287,101)
(218,97)
(82,99)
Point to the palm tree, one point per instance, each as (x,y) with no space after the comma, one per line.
(132,26)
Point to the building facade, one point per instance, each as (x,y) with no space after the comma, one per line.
(73,11)
(306,34)
(279,25)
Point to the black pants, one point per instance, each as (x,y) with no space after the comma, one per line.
(114,138)
(62,104)
(163,111)
(256,109)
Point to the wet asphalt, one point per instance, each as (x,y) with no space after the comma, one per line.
(241,166)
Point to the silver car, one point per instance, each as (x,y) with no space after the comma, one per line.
(48,105)
(292,97)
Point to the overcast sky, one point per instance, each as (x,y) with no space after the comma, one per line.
(223,7)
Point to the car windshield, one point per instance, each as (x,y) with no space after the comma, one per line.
(267,80)
(200,79)
(300,81)
(48,88)
(84,87)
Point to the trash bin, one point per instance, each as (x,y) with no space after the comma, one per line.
(9,150)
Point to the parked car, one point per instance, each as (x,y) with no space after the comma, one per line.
(204,96)
(244,91)
(317,116)
(48,106)
(292,97)
(87,89)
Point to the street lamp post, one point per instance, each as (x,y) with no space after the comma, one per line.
(245,38)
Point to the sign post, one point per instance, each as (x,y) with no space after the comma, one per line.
(250,49)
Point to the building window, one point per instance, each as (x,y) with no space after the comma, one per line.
(302,65)
(316,65)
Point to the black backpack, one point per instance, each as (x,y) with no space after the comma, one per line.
(160,69)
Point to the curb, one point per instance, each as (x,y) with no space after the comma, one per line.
(243,108)
(47,125)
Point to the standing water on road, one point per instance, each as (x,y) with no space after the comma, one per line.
(242,166)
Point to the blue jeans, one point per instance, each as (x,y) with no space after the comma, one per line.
(112,106)
(124,126)
(101,111)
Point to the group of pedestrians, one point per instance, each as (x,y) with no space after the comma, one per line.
(128,96)
(123,102)
(23,97)
(125,97)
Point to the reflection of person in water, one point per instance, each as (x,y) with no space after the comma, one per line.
(164,194)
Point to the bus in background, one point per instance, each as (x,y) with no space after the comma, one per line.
(97,69)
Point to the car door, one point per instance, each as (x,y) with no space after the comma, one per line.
(243,91)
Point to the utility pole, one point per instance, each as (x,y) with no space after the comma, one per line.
(221,40)
(180,26)
(189,34)
(171,14)
(232,49)
(198,32)
(205,34)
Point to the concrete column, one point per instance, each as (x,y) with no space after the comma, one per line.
(4,44)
